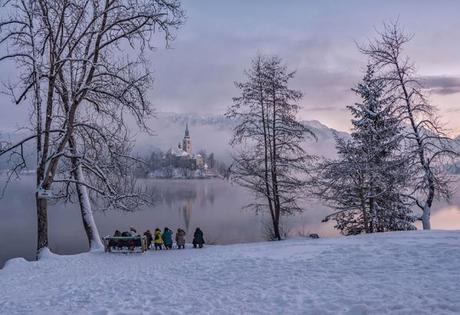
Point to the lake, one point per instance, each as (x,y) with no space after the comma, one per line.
(214,205)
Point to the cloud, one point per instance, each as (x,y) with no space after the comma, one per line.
(193,78)
(453,110)
(442,84)
(215,46)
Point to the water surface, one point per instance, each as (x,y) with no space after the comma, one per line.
(213,205)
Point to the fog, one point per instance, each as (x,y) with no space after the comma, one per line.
(213,205)
(216,206)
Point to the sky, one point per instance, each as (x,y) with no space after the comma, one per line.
(315,38)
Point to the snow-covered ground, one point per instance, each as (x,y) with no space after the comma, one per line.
(391,273)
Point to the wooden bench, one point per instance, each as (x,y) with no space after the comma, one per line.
(125,244)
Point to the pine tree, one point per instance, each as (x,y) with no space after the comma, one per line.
(367,184)
(428,146)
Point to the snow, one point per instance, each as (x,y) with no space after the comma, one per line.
(389,273)
(86,209)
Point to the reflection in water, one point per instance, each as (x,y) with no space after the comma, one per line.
(186,210)
(184,195)
(214,205)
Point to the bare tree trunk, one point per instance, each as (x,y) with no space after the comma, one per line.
(369,227)
(42,224)
(41,206)
(266,178)
(92,233)
(421,152)
(427,209)
(276,228)
(273,156)
(94,240)
(266,146)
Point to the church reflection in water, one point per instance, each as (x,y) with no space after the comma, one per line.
(202,197)
(186,211)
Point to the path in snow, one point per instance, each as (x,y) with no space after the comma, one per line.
(398,273)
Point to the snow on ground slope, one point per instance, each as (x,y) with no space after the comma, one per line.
(391,273)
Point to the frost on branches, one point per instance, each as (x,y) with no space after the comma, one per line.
(270,161)
(427,145)
(368,182)
(73,66)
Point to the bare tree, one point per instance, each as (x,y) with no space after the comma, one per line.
(430,148)
(98,164)
(271,160)
(74,55)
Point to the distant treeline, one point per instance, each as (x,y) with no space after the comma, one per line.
(158,160)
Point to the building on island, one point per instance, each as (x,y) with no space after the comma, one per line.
(182,156)
(181,162)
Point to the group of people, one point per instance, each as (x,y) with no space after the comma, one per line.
(164,239)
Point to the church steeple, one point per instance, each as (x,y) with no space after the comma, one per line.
(187,134)
(187,143)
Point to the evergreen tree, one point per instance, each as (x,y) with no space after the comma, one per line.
(367,184)
(428,145)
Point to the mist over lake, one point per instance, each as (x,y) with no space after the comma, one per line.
(214,205)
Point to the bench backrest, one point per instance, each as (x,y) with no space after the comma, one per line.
(123,237)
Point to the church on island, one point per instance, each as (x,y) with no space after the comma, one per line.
(182,156)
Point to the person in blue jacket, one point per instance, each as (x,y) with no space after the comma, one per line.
(167,238)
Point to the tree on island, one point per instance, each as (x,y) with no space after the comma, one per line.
(269,158)
(80,59)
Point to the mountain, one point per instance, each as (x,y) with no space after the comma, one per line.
(212,133)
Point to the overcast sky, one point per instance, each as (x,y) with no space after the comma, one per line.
(316,38)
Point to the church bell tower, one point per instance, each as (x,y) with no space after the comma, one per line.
(187,143)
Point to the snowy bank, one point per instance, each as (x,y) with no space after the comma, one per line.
(398,273)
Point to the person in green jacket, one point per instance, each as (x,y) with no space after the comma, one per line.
(158,240)
(167,238)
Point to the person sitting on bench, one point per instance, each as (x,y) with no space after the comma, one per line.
(131,243)
(148,238)
(116,243)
